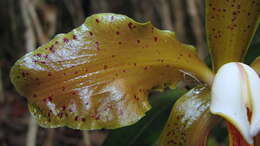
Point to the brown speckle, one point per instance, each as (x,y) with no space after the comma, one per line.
(76,118)
(97,20)
(65,40)
(38,54)
(130,25)
(63,108)
(155,39)
(74,37)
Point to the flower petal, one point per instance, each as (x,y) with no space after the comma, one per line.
(231,25)
(227,98)
(190,121)
(254,93)
(98,75)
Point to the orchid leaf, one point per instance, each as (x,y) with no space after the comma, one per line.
(231,25)
(99,74)
(147,131)
(190,120)
(256,65)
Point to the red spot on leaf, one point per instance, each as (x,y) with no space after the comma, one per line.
(118,33)
(136,98)
(49,98)
(130,25)
(97,20)
(38,54)
(90,33)
(74,37)
(97,43)
(65,40)
(63,108)
(51,48)
(155,39)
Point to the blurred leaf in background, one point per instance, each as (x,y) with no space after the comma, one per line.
(254,48)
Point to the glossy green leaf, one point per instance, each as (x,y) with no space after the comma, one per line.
(256,65)
(99,74)
(230,27)
(190,120)
(147,131)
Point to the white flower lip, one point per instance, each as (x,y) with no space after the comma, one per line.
(236,89)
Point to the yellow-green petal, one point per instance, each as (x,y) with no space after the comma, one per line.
(231,25)
(256,65)
(190,121)
(98,75)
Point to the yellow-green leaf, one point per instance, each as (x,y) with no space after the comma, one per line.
(230,26)
(256,65)
(99,74)
(190,120)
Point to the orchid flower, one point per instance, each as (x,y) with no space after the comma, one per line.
(99,76)
(235,96)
